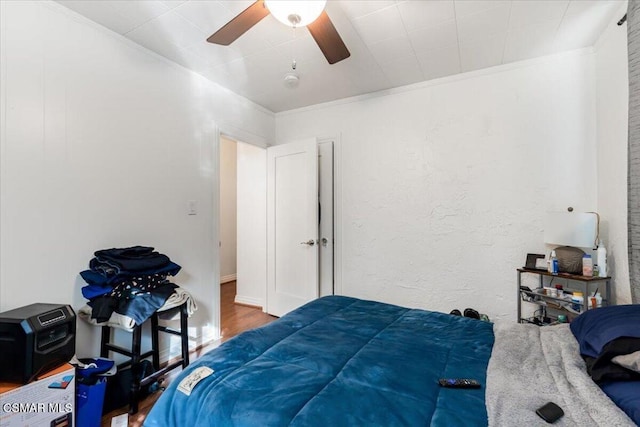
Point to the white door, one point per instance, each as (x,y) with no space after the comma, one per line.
(292,226)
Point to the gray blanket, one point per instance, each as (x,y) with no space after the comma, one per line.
(532,365)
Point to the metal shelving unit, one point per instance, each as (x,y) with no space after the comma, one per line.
(585,284)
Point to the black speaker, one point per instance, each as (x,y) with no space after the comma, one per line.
(35,339)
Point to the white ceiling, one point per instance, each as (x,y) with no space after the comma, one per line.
(392,43)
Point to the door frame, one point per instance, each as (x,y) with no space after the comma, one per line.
(337,210)
(235,134)
(238,134)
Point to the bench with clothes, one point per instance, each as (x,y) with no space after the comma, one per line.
(129,281)
(125,288)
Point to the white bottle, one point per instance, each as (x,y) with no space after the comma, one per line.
(602,259)
(553,263)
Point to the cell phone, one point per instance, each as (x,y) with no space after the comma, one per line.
(62,421)
(550,412)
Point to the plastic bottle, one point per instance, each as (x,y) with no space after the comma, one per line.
(553,263)
(587,265)
(577,299)
(602,259)
(559,291)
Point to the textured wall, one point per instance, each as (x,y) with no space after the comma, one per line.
(444,186)
(612,83)
(633,22)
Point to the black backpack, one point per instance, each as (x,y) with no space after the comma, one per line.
(119,386)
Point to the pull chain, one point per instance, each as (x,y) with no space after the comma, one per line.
(294,64)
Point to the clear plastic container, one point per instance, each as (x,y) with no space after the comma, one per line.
(587,265)
(577,300)
(595,301)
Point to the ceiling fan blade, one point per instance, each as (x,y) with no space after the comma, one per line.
(240,24)
(328,39)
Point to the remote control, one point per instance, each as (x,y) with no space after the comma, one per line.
(458,383)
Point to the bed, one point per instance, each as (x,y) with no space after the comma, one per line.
(344,361)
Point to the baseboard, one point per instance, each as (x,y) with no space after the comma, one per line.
(250,301)
(228,278)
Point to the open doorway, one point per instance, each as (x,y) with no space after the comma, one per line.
(228,210)
(241,273)
(243,183)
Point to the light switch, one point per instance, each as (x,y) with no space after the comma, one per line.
(192,207)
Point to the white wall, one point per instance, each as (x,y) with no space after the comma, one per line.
(252,225)
(612,82)
(102,145)
(228,212)
(445,184)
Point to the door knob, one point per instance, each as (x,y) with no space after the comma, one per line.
(309,242)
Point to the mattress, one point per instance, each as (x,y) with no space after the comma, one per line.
(339,361)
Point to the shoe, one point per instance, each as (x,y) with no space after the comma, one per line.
(471,313)
(456,312)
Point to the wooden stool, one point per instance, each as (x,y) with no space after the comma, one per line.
(135,355)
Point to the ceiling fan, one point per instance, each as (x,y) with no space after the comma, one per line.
(293,13)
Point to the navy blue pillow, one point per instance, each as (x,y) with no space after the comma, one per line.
(625,395)
(594,329)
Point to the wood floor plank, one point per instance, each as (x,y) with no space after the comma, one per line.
(234,319)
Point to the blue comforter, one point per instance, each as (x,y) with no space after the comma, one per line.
(339,361)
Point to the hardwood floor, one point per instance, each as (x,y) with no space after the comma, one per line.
(234,319)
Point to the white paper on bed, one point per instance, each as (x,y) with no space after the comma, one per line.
(121,321)
(532,365)
(189,382)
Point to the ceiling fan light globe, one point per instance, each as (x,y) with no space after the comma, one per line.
(304,12)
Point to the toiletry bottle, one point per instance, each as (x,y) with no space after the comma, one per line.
(602,259)
(577,300)
(553,263)
(559,291)
(587,265)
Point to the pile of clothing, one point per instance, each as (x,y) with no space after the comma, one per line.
(131,282)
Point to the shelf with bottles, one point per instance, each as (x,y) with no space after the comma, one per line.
(572,301)
(567,276)
(572,296)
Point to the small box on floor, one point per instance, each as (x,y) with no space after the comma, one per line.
(47,401)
